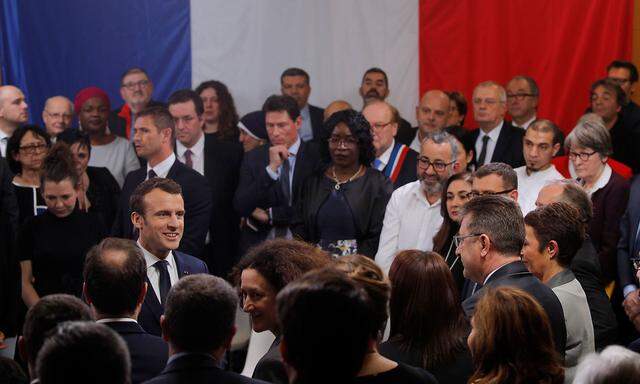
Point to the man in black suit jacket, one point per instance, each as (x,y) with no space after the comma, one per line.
(199,325)
(13,113)
(496,140)
(271,178)
(154,134)
(218,161)
(294,82)
(115,275)
(489,243)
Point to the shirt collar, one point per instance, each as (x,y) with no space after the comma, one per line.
(419,193)
(3,135)
(526,124)
(293,149)
(602,180)
(151,259)
(116,320)
(162,168)
(196,150)
(304,112)
(494,133)
(384,158)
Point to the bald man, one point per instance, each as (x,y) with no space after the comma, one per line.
(14,112)
(335,106)
(432,114)
(57,115)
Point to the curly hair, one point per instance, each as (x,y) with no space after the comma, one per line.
(228,119)
(359,128)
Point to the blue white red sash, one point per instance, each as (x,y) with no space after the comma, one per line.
(396,160)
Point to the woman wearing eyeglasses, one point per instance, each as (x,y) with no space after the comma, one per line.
(589,146)
(342,207)
(26,151)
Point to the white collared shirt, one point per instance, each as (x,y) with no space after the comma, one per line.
(491,144)
(530,185)
(410,222)
(293,153)
(152,272)
(416,145)
(526,124)
(197,154)
(162,168)
(384,158)
(306,130)
(601,182)
(117,320)
(4,139)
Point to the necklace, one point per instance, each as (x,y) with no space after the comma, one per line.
(338,182)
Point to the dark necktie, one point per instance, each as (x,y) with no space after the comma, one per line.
(152,174)
(164,281)
(188,161)
(483,151)
(285,181)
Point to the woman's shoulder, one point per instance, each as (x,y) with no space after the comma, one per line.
(401,374)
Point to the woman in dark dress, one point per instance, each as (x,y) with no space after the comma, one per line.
(428,326)
(52,246)
(342,207)
(98,190)
(220,115)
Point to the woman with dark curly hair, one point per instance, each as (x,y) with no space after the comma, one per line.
(220,116)
(342,207)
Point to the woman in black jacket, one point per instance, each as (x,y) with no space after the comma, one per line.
(342,207)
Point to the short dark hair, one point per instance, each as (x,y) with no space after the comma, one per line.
(200,313)
(499,218)
(11,372)
(460,102)
(114,284)
(136,201)
(45,315)
(13,144)
(294,72)
(560,222)
(504,171)
(184,96)
(613,87)
(359,128)
(544,125)
(322,316)
(282,103)
(376,70)
(58,166)
(533,86)
(633,71)
(84,352)
(76,136)
(132,71)
(228,118)
(162,119)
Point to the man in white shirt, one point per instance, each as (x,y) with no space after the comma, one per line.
(522,100)
(541,143)
(14,111)
(432,115)
(413,214)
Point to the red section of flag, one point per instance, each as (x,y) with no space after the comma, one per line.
(564,45)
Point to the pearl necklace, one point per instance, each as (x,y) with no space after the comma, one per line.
(338,182)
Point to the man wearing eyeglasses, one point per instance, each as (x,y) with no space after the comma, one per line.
(495,179)
(413,214)
(135,89)
(57,116)
(14,112)
(522,100)
(395,160)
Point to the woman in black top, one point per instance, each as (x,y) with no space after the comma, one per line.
(342,207)
(428,326)
(220,115)
(52,246)
(98,190)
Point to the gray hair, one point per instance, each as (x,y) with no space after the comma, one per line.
(614,364)
(502,94)
(574,194)
(533,86)
(504,171)
(590,134)
(441,138)
(498,217)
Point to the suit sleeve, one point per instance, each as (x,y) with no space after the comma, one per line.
(617,202)
(369,244)
(9,200)
(389,235)
(198,210)
(252,187)
(625,271)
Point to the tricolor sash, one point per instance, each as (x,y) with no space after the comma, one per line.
(396,160)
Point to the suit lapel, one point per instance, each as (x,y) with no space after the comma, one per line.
(180,265)
(174,170)
(298,166)
(502,143)
(208,164)
(151,301)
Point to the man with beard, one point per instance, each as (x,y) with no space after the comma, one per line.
(413,214)
(14,112)
(540,144)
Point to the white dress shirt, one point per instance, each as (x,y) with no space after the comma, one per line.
(416,145)
(162,168)
(530,185)
(600,183)
(4,139)
(526,124)
(152,272)
(306,130)
(384,158)
(197,154)
(410,222)
(491,144)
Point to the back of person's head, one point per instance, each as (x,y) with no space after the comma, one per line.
(511,340)
(114,276)
(426,315)
(81,352)
(366,272)
(575,195)
(11,372)
(322,316)
(614,364)
(44,316)
(200,314)
(503,171)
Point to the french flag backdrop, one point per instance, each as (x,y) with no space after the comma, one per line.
(58,47)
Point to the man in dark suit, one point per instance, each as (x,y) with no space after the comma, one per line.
(294,82)
(13,113)
(218,161)
(115,275)
(154,135)
(9,266)
(271,177)
(199,325)
(496,140)
(158,213)
(489,243)
(397,161)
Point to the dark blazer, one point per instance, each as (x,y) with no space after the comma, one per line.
(406,132)
(367,205)
(586,267)
(508,149)
(196,193)
(103,194)
(149,353)
(152,309)
(517,275)
(10,284)
(317,120)
(627,247)
(198,369)
(256,189)
(408,170)
(609,204)
(270,367)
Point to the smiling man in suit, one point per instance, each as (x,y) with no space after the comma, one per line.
(158,213)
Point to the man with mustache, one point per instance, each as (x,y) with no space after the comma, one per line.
(14,112)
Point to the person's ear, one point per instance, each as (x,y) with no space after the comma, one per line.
(22,349)
(87,298)
(556,148)
(514,195)
(552,249)
(163,327)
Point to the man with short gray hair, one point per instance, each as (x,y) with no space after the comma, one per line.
(522,100)
(57,116)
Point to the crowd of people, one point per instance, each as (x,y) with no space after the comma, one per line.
(374,251)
